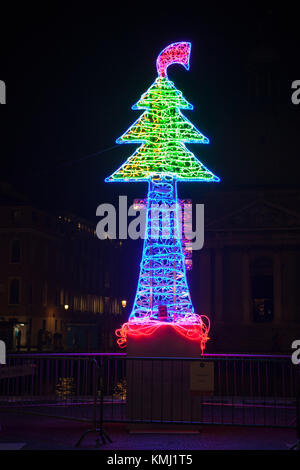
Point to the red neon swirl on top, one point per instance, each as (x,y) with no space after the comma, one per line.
(176,53)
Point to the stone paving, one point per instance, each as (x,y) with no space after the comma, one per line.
(31,432)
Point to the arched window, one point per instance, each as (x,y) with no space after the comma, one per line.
(15,252)
(14,292)
(101,305)
(261,273)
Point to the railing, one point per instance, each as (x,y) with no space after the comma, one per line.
(251,390)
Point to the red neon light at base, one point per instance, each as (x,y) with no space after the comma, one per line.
(197,330)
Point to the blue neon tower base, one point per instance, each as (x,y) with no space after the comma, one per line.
(162,280)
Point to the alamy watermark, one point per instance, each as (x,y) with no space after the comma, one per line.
(2,352)
(296,94)
(2,92)
(296,354)
(166,222)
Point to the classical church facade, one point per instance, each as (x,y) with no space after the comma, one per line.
(246,278)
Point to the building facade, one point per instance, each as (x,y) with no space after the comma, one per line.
(58,281)
(62,288)
(247,275)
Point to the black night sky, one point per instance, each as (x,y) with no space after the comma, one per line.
(73,73)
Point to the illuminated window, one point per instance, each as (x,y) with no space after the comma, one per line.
(101,304)
(107,306)
(76,303)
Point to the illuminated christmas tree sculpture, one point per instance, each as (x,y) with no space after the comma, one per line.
(163,296)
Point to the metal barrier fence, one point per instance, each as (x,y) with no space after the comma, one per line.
(249,390)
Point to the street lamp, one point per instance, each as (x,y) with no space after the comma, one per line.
(66,307)
(124,303)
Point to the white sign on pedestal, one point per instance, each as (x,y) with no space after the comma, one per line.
(202,376)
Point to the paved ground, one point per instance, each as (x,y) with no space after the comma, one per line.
(42,433)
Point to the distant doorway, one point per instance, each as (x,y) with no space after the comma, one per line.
(262,291)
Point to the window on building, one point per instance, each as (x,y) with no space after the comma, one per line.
(62,297)
(46,255)
(107,280)
(81,277)
(107,306)
(15,215)
(62,262)
(15,252)
(57,260)
(57,291)
(84,304)
(262,290)
(115,307)
(89,303)
(45,294)
(14,292)
(30,294)
(32,250)
(97,304)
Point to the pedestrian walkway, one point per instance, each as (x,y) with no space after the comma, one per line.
(11,445)
(44,433)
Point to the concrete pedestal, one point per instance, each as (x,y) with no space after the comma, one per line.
(158,388)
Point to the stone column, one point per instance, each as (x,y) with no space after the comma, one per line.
(246,288)
(218,285)
(277,285)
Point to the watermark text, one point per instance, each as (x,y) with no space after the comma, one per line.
(2,352)
(2,92)
(155,221)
